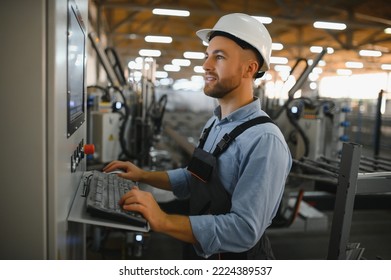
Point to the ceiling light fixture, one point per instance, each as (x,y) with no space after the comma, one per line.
(317,70)
(282,68)
(152,53)
(171,12)
(372,53)
(198,69)
(316,49)
(158,39)
(387,30)
(172,68)
(386,67)
(194,55)
(197,78)
(322,63)
(181,62)
(166,81)
(329,25)
(278,60)
(319,49)
(161,74)
(277,46)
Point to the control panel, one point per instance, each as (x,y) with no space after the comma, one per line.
(79,154)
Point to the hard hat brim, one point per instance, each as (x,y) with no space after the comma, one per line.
(203,34)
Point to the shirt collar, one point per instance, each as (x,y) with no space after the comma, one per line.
(241,113)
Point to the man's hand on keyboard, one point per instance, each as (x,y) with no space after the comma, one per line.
(157,179)
(177,226)
(144,203)
(131,171)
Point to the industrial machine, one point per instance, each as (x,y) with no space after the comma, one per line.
(312,127)
(125,116)
(47,122)
(124,123)
(44,131)
(318,132)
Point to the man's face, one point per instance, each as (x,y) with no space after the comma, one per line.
(223,67)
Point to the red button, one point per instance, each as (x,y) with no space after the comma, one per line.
(89,149)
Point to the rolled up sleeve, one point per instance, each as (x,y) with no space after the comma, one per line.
(179,180)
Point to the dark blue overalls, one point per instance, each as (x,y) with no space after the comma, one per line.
(208,195)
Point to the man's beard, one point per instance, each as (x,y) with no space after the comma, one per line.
(222,87)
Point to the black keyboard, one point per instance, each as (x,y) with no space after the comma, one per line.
(103,191)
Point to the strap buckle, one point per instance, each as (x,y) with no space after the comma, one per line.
(223,144)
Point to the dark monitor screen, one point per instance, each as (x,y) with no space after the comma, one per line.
(76,69)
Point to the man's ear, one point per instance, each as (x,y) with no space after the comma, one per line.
(251,68)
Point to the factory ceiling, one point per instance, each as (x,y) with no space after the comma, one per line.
(126,23)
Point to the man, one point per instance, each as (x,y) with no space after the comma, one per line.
(235,181)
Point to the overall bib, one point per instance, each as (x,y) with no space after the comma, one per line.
(208,195)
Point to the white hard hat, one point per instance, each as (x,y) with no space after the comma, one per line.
(246,28)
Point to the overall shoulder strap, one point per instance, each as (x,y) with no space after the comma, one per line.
(229,137)
(204,135)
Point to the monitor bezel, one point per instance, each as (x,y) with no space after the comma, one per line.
(75,123)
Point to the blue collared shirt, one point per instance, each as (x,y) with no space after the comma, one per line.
(253,170)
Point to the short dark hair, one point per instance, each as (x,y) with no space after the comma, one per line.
(243,44)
